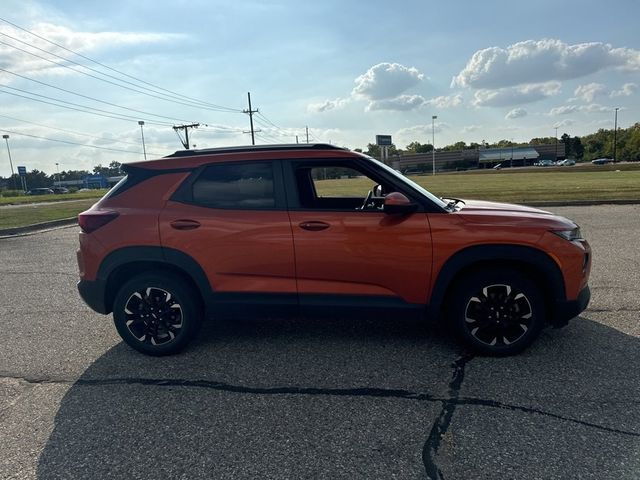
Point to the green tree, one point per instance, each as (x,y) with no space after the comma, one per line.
(417,147)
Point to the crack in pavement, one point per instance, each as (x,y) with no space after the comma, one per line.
(50,272)
(441,425)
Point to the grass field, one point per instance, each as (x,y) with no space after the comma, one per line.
(584,182)
(19,200)
(11,217)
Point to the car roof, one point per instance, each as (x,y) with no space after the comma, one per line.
(188,159)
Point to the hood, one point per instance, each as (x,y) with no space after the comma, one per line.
(481,205)
(510,215)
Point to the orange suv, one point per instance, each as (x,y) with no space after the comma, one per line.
(316,229)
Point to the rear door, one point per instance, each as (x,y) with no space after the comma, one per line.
(232,219)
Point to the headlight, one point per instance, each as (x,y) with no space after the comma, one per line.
(571,235)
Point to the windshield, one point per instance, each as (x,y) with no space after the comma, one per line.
(438,201)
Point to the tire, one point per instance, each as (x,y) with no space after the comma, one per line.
(497,313)
(157,314)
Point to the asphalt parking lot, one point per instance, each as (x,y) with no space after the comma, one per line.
(317,399)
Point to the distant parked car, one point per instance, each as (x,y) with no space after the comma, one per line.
(60,190)
(40,191)
(567,163)
(545,163)
(602,161)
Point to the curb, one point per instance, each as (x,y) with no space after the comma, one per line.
(38,227)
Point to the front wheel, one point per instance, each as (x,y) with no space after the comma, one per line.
(156,314)
(497,313)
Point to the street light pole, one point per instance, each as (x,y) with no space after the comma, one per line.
(6,139)
(615,135)
(58,172)
(433,142)
(556,158)
(144,149)
(511,162)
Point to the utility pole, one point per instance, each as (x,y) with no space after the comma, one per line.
(307,130)
(615,135)
(186,128)
(250,113)
(556,158)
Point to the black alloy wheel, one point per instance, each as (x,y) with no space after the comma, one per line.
(497,313)
(153,316)
(157,314)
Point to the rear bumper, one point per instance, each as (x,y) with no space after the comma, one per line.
(93,294)
(568,309)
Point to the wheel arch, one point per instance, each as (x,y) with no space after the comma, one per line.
(535,263)
(122,264)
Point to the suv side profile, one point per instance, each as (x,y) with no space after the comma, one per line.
(319,230)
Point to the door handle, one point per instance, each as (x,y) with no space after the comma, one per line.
(185,224)
(313,226)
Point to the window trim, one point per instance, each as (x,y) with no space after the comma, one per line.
(184,193)
(291,183)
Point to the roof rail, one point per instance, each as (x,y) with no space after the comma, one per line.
(254,148)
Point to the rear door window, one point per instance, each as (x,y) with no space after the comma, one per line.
(236,186)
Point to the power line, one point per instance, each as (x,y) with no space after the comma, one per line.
(88,97)
(74,143)
(117,71)
(169,99)
(80,108)
(137,144)
(268,121)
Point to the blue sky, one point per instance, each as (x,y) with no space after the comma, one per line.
(347,70)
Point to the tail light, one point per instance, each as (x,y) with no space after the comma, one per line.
(92,220)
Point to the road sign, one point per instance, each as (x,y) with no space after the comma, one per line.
(383,140)
(22,171)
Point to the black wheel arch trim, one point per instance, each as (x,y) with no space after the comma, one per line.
(536,260)
(162,256)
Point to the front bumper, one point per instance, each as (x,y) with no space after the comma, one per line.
(93,294)
(568,309)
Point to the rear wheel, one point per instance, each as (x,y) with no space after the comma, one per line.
(497,313)
(156,314)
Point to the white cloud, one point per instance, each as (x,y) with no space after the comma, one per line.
(471,128)
(565,123)
(591,108)
(516,113)
(401,103)
(589,91)
(445,101)
(386,80)
(505,97)
(420,133)
(327,105)
(83,42)
(563,110)
(626,90)
(411,102)
(537,61)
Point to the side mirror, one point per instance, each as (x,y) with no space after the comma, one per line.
(396,203)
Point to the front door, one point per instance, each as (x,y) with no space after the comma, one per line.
(347,250)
